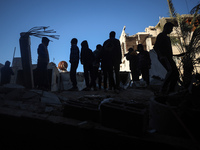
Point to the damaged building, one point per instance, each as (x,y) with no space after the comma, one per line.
(148,39)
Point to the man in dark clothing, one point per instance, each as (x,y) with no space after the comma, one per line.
(43,60)
(96,64)
(87,59)
(112,49)
(74,60)
(132,57)
(163,49)
(144,63)
(6,73)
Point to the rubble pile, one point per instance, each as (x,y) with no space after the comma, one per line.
(17,97)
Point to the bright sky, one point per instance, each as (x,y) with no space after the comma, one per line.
(90,20)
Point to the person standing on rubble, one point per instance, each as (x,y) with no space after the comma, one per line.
(96,64)
(132,57)
(112,47)
(74,60)
(87,59)
(6,73)
(144,63)
(42,63)
(164,52)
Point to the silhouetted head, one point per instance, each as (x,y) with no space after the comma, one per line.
(74,41)
(7,63)
(130,50)
(98,46)
(45,41)
(84,44)
(140,47)
(112,34)
(168,27)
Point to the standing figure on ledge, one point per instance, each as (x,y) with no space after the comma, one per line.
(6,73)
(74,60)
(43,61)
(132,57)
(163,49)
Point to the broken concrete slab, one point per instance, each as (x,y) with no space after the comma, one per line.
(63,98)
(14,94)
(50,101)
(50,98)
(29,95)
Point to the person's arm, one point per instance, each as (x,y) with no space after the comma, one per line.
(179,55)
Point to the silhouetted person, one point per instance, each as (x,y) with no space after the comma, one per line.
(144,63)
(87,59)
(96,64)
(132,57)
(6,72)
(163,49)
(42,63)
(112,46)
(74,60)
(107,64)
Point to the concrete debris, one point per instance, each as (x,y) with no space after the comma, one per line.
(29,95)
(50,101)
(14,94)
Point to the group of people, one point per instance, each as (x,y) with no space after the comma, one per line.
(139,63)
(109,57)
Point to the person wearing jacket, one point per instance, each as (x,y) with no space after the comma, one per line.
(42,63)
(6,73)
(112,56)
(132,57)
(87,59)
(74,60)
(144,63)
(97,64)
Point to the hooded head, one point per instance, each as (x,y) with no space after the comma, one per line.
(45,41)
(84,44)
(7,63)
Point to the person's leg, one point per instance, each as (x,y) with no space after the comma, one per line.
(166,64)
(99,79)
(174,77)
(145,75)
(92,76)
(110,76)
(86,75)
(105,76)
(117,76)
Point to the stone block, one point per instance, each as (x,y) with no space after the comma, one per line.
(81,111)
(126,117)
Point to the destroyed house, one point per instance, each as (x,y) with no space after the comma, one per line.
(148,38)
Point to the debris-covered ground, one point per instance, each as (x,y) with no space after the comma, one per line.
(38,118)
(38,101)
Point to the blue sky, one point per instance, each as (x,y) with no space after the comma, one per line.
(90,20)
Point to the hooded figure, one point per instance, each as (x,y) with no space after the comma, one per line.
(43,60)
(87,59)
